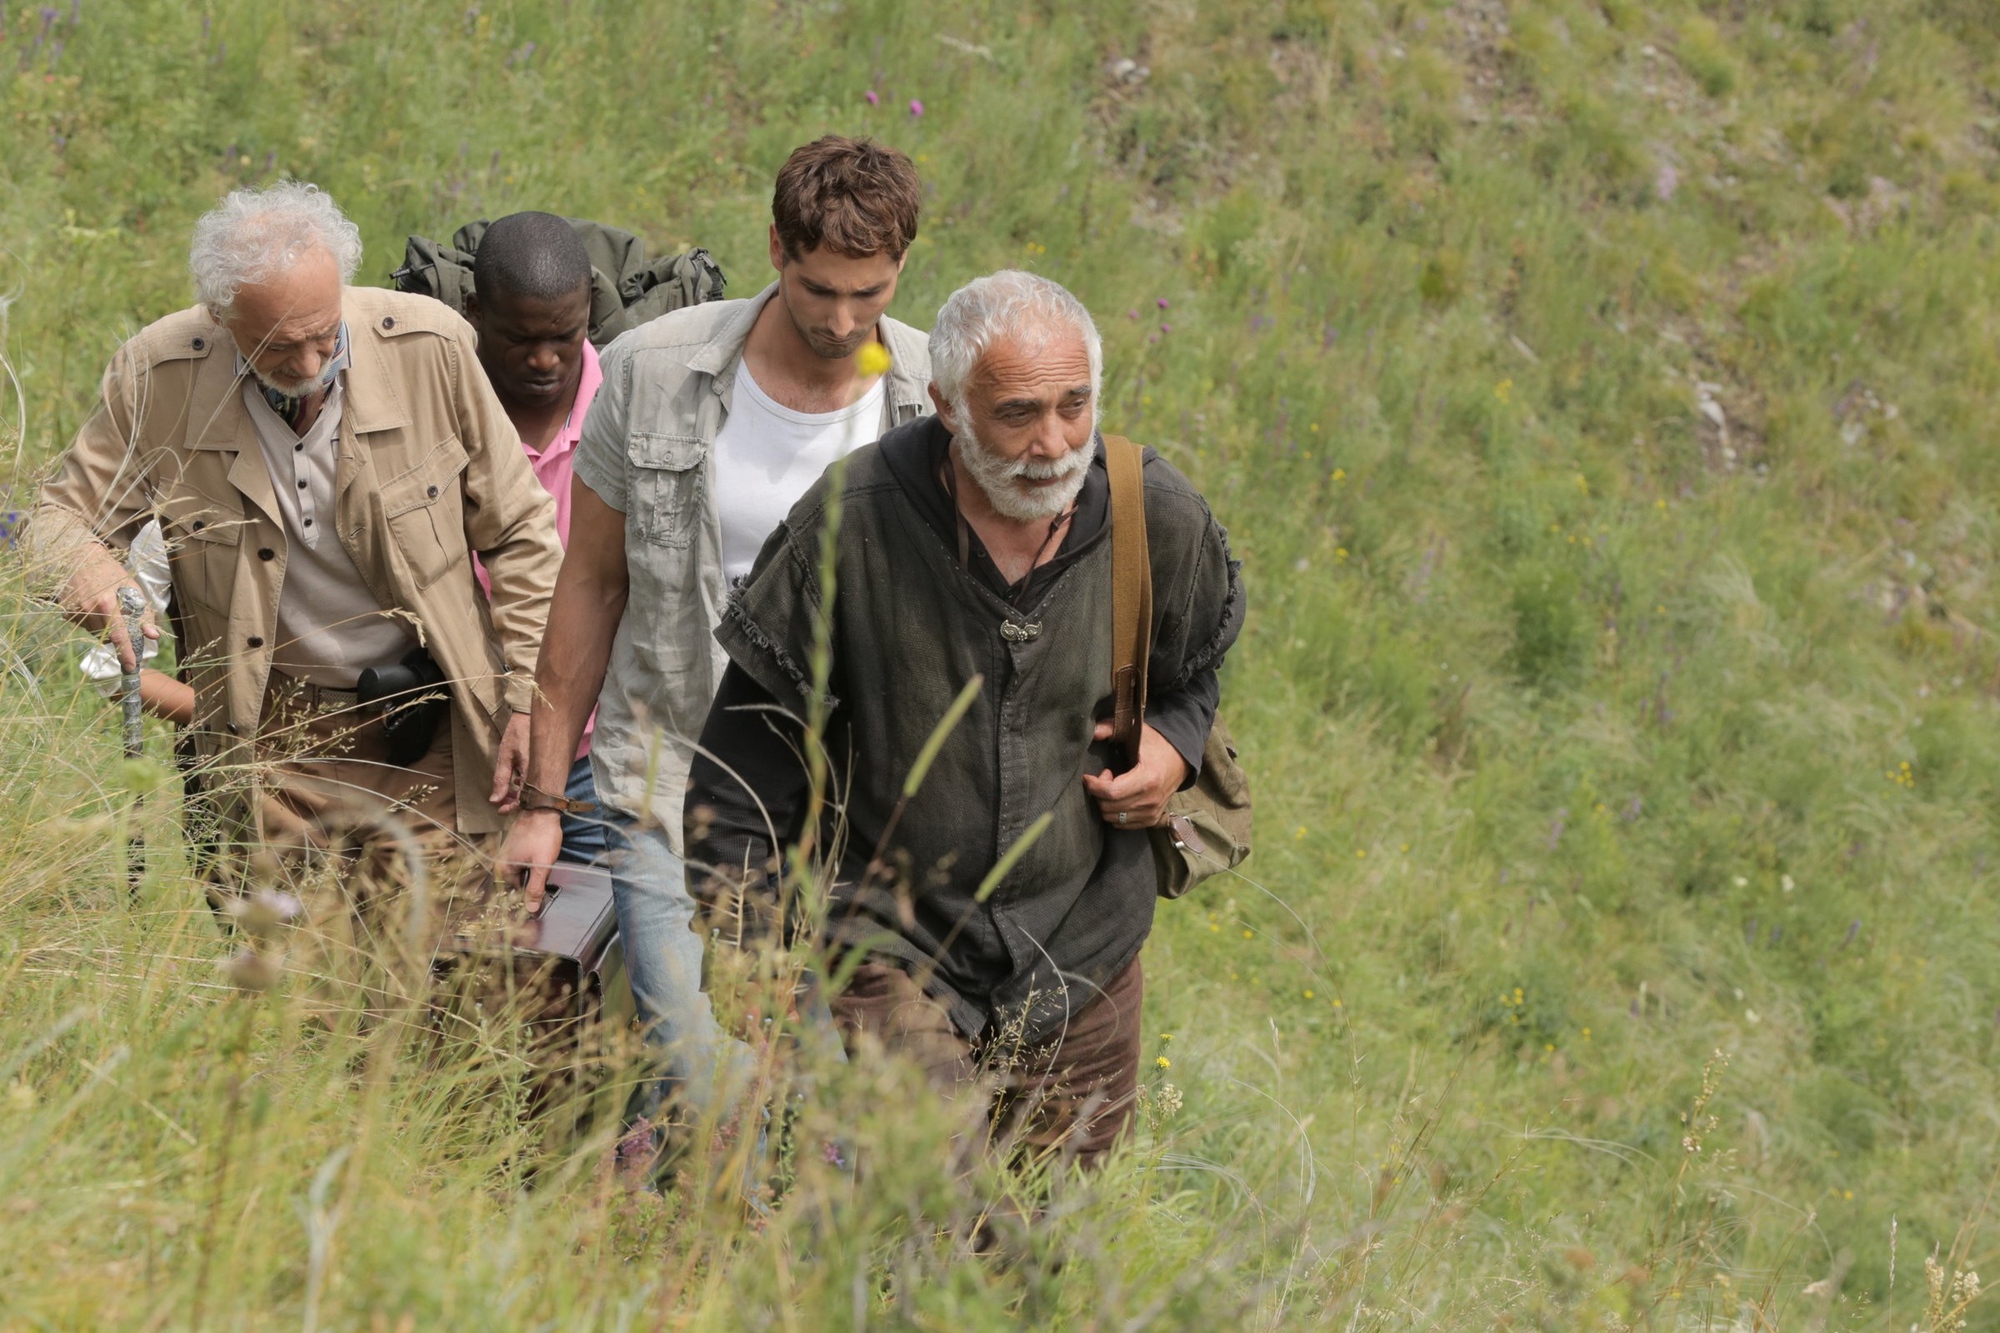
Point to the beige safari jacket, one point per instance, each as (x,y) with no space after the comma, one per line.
(429,471)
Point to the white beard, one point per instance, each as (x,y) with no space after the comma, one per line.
(287,388)
(1000,478)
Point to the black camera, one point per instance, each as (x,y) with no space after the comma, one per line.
(414,701)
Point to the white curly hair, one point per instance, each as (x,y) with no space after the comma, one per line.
(254,234)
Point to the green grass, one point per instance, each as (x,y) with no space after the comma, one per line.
(1599,396)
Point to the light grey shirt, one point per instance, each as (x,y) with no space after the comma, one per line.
(648,451)
(330,626)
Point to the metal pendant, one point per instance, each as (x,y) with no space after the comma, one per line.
(1015,631)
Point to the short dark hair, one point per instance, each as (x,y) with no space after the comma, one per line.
(854,196)
(536,255)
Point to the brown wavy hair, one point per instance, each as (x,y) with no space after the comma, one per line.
(854,196)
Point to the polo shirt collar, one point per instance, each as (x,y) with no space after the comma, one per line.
(587,382)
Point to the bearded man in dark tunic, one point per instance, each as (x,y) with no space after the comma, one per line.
(975,543)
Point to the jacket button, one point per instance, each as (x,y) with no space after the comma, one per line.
(266,553)
(388,321)
(255,641)
(198,524)
(432,493)
(198,344)
(232,728)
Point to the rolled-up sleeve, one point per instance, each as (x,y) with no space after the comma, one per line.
(600,461)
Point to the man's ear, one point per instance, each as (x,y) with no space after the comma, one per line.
(943,406)
(472,310)
(777,249)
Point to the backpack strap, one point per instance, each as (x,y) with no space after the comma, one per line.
(1131,593)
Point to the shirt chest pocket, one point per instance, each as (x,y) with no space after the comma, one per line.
(666,486)
(426,514)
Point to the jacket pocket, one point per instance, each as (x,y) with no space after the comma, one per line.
(201,557)
(425,512)
(666,486)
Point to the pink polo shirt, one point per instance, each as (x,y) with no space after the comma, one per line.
(553,467)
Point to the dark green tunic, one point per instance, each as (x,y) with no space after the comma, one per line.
(911,626)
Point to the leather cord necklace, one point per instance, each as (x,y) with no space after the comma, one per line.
(948,479)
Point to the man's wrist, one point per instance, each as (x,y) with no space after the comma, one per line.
(541,798)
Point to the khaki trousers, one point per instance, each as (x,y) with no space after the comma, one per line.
(1072,1097)
(336,824)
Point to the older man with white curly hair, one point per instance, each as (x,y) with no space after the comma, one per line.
(973,546)
(324,460)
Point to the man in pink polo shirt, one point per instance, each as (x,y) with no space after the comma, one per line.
(531,308)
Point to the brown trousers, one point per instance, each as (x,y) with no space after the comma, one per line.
(1072,1097)
(333,822)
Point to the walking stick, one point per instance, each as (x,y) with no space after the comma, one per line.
(132,603)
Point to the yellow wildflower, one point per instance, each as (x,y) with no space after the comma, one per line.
(873,359)
(1164,1063)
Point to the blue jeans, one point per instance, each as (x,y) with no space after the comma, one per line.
(583,835)
(687,1048)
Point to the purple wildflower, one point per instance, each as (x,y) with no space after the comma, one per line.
(1160,301)
(872,97)
(916,107)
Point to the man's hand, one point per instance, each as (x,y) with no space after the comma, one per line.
(1140,793)
(510,765)
(92,600)
(532,845)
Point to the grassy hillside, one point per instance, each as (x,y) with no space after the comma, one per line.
(1598,395)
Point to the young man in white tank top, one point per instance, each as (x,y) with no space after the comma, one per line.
(710,424)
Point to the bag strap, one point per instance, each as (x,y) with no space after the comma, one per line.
(1131,593)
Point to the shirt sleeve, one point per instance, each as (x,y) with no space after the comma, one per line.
(1184,717)
(1197,614)
(600,461)
(746,793)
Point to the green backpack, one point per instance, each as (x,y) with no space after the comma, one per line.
(626,288)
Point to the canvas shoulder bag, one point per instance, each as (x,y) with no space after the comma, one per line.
(1208,825)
